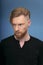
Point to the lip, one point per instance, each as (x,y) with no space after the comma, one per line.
(17,32)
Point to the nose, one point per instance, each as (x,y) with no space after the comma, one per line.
(16,28)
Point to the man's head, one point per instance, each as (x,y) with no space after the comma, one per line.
(20,20)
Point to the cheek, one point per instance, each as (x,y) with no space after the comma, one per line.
(24,28)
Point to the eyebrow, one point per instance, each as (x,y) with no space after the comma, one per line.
(17,24)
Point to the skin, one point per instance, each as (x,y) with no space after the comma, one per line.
(20,25)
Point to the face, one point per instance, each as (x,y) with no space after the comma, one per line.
(20,25)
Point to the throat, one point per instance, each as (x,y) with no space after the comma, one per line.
(23,40)
(21,44)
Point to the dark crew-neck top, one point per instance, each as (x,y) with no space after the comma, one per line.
(30,54)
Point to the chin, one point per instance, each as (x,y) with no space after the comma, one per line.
(19,36)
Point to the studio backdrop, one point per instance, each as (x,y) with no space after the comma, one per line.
(36,9)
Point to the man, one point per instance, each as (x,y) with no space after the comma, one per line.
(21,48)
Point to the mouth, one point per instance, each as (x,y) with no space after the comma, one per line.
(17,33)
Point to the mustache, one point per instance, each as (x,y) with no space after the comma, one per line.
(17,32)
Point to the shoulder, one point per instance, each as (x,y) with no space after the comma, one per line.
(7,40)
(34,39)
(37,42)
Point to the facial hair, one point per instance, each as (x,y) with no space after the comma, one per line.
(19,35)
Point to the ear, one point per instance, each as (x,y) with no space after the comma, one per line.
(29,22)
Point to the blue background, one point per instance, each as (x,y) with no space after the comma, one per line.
(36,9)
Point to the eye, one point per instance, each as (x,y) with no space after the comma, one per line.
(20,24)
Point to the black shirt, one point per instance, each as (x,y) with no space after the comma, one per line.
(30,54)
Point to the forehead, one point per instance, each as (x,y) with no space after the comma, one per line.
(19,19)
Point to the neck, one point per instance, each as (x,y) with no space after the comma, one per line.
(25,38)
(22,40)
